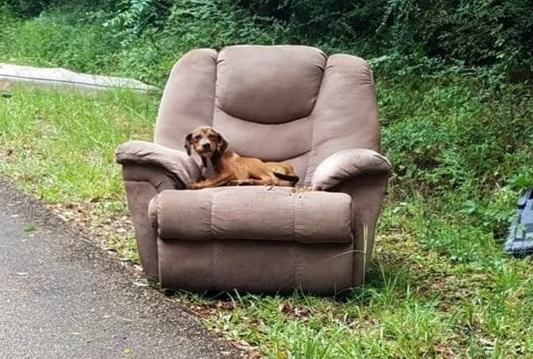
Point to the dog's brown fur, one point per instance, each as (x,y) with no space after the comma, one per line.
(232,169)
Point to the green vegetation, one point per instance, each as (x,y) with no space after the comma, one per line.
(143,38)
(60,146)
(460,142)
(63,143)
(440,285)
(113,44)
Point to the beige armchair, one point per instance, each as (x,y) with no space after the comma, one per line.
(276,103)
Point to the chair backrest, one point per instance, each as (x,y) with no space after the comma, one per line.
(272,102)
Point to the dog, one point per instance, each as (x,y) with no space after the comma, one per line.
(225,167)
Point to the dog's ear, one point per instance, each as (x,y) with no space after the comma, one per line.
(188,143)
(222,144)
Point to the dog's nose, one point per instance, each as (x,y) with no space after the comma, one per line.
(206,146)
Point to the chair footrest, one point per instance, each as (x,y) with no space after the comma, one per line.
(255,213)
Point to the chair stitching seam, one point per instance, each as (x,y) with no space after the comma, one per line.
(312,150)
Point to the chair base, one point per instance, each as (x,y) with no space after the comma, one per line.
(255,266)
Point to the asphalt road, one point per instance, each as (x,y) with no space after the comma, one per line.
(63,297)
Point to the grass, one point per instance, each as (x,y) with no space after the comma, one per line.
(60,146)
(439,285)
(92,42)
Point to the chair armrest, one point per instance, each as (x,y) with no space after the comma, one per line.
(180,167)
(362,174)
(367,192)
(347,164)
(149,169)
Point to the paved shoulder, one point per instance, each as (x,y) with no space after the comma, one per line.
(62,297)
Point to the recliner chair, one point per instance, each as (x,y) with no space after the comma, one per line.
(276,103)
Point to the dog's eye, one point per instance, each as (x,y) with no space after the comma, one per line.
(197,137)
(212,137)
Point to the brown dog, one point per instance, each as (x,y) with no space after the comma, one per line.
(225,167)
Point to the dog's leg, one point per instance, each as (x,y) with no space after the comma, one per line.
(215,181)
(270,180)
(245,182)
(261,174)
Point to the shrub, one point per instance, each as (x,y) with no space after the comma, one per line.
(467,33)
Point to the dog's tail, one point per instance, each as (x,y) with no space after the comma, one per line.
(292,179)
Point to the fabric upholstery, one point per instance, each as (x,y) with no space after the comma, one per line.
(139,194)
(276,103)
(367,192)
(154,175)
(345,164)
(142,183)
(255,213)
(345,114)
(255,266)
(188,98)
(176,163)
(292,102)
(269,85)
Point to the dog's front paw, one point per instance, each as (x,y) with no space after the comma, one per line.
(193,186)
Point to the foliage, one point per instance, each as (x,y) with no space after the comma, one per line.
(459,140)
(26,8)
(440,285)
(56,40)
(404,36)
(465,141)
(60,146)
(402,33)
(102,42)
(502,31)
(63,143)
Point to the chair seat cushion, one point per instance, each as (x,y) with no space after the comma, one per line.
(253,213)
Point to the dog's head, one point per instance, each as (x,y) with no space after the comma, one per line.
(207,142)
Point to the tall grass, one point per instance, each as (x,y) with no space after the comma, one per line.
(439,285)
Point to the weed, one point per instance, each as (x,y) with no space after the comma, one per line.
(439,285)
